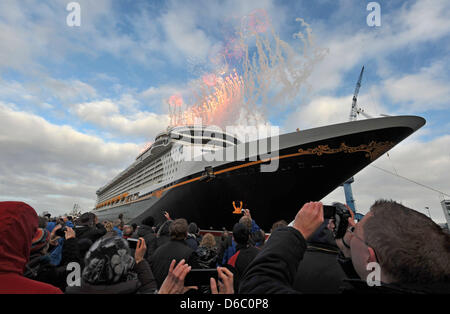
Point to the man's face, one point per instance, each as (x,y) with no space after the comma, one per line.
(360,253)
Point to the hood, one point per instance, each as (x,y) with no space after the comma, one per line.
(18,224)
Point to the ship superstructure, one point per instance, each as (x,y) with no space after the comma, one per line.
(156,166)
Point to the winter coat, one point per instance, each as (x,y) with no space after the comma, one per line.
(163,256)
(319,271)
(149,236)
(358,286)
(191,241)
(273,270)
(18,224)
(206,257)
(239,262)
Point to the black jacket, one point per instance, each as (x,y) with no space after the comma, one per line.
(239,262)
(163,256)
(144,284)
(206,257)
(149,236)
(357,286)
(192,241)
(319,271)
(273,270)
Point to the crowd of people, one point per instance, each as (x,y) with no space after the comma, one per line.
(81,255)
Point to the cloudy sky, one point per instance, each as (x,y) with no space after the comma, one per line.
(77,104)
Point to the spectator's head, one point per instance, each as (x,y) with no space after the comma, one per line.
(247,221)
(149,221)
(208,241)
(46,214)
(408,245)
(178,229)
(241,233)
(192,228)
(108,261)
(278,224)
(117,223)
(42,222)
(164,229)
(87,219)
(127,230)
(134,226)
(259,238)
(18,224)
(40,242)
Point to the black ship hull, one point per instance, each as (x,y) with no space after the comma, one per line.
(306,172)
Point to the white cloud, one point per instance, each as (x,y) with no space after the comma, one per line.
(107,115)
(427,89)
(425,22)
(53,166)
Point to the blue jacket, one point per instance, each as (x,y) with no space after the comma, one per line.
(119,232)
(50,226)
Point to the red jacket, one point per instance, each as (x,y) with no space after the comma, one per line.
(18,224)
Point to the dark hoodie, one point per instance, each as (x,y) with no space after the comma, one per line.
(18,224)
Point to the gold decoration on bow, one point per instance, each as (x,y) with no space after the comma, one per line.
(373,149)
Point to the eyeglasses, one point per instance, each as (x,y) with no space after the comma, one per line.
(351,230)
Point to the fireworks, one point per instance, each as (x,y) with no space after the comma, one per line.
(222,95)
(267,72)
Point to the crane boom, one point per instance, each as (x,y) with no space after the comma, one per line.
(353,111)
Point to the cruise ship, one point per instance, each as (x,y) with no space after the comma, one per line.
(307,165)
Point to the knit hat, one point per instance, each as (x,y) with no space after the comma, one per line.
(40,240)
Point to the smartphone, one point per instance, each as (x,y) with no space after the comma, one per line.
(200,277)
(61,232)
(132,243)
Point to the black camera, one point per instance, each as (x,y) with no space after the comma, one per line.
(340,214)
(61,232)
(200,277)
